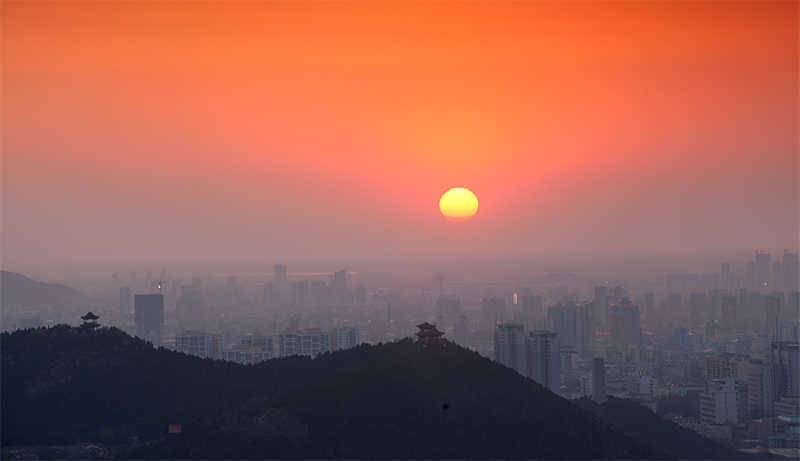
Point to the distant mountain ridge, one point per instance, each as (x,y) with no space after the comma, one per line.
(16,289)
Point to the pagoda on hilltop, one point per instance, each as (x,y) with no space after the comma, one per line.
(430,336)
(90,321)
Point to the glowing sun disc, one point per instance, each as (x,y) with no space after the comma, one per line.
(458,204)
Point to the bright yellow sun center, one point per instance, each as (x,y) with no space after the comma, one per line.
(458,204)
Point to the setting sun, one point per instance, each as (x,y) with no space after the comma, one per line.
(458,204)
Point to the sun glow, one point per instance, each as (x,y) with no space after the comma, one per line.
(458,204)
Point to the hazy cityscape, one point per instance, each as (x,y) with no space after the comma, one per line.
(730,330)
(400,230)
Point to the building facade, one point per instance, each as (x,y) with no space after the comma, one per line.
(509,346)
(149,316)
(543,361)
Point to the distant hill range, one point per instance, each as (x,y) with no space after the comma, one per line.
(16,289)
(388,401)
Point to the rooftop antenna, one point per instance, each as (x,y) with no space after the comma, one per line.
(160,284)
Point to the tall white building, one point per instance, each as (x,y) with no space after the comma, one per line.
(544,359)
(760,389)
(719,404)
(509,346)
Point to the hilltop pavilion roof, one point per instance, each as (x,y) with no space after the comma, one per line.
(90,316)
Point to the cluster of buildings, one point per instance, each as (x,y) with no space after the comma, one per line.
(535,354)
(257,347)
(253,348)
(642,337)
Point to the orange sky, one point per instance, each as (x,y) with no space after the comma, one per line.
(273,130)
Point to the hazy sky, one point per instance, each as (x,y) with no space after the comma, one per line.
(265,130)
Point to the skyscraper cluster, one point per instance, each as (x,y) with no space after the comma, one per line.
(535,355)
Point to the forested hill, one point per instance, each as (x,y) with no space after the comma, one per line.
(62,386)
(394,400)
(652,429)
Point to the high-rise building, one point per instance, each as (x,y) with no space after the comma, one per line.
(648,305)
(133,276)
(772,311)
(509,346)
(788,330)
(543,359)
(674,305)
(280,274)
(793,306)
(619,294)
(790,269)
(750,278)
(572,323)
(777,275)
(360,297)
(149,316)
(189,307)
(339,284)
(124,300)
(697,304)
(494,310)
(269,293)
(719,404)
(601,302)
(300,295)
(532,312)
(725,276)
(624,324)
(760,387)
(449,309)
(599,379)
(728,307)
(763,270)
(785,359)
(461,331)
(750,305)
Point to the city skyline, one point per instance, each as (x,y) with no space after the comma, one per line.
(268,131)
